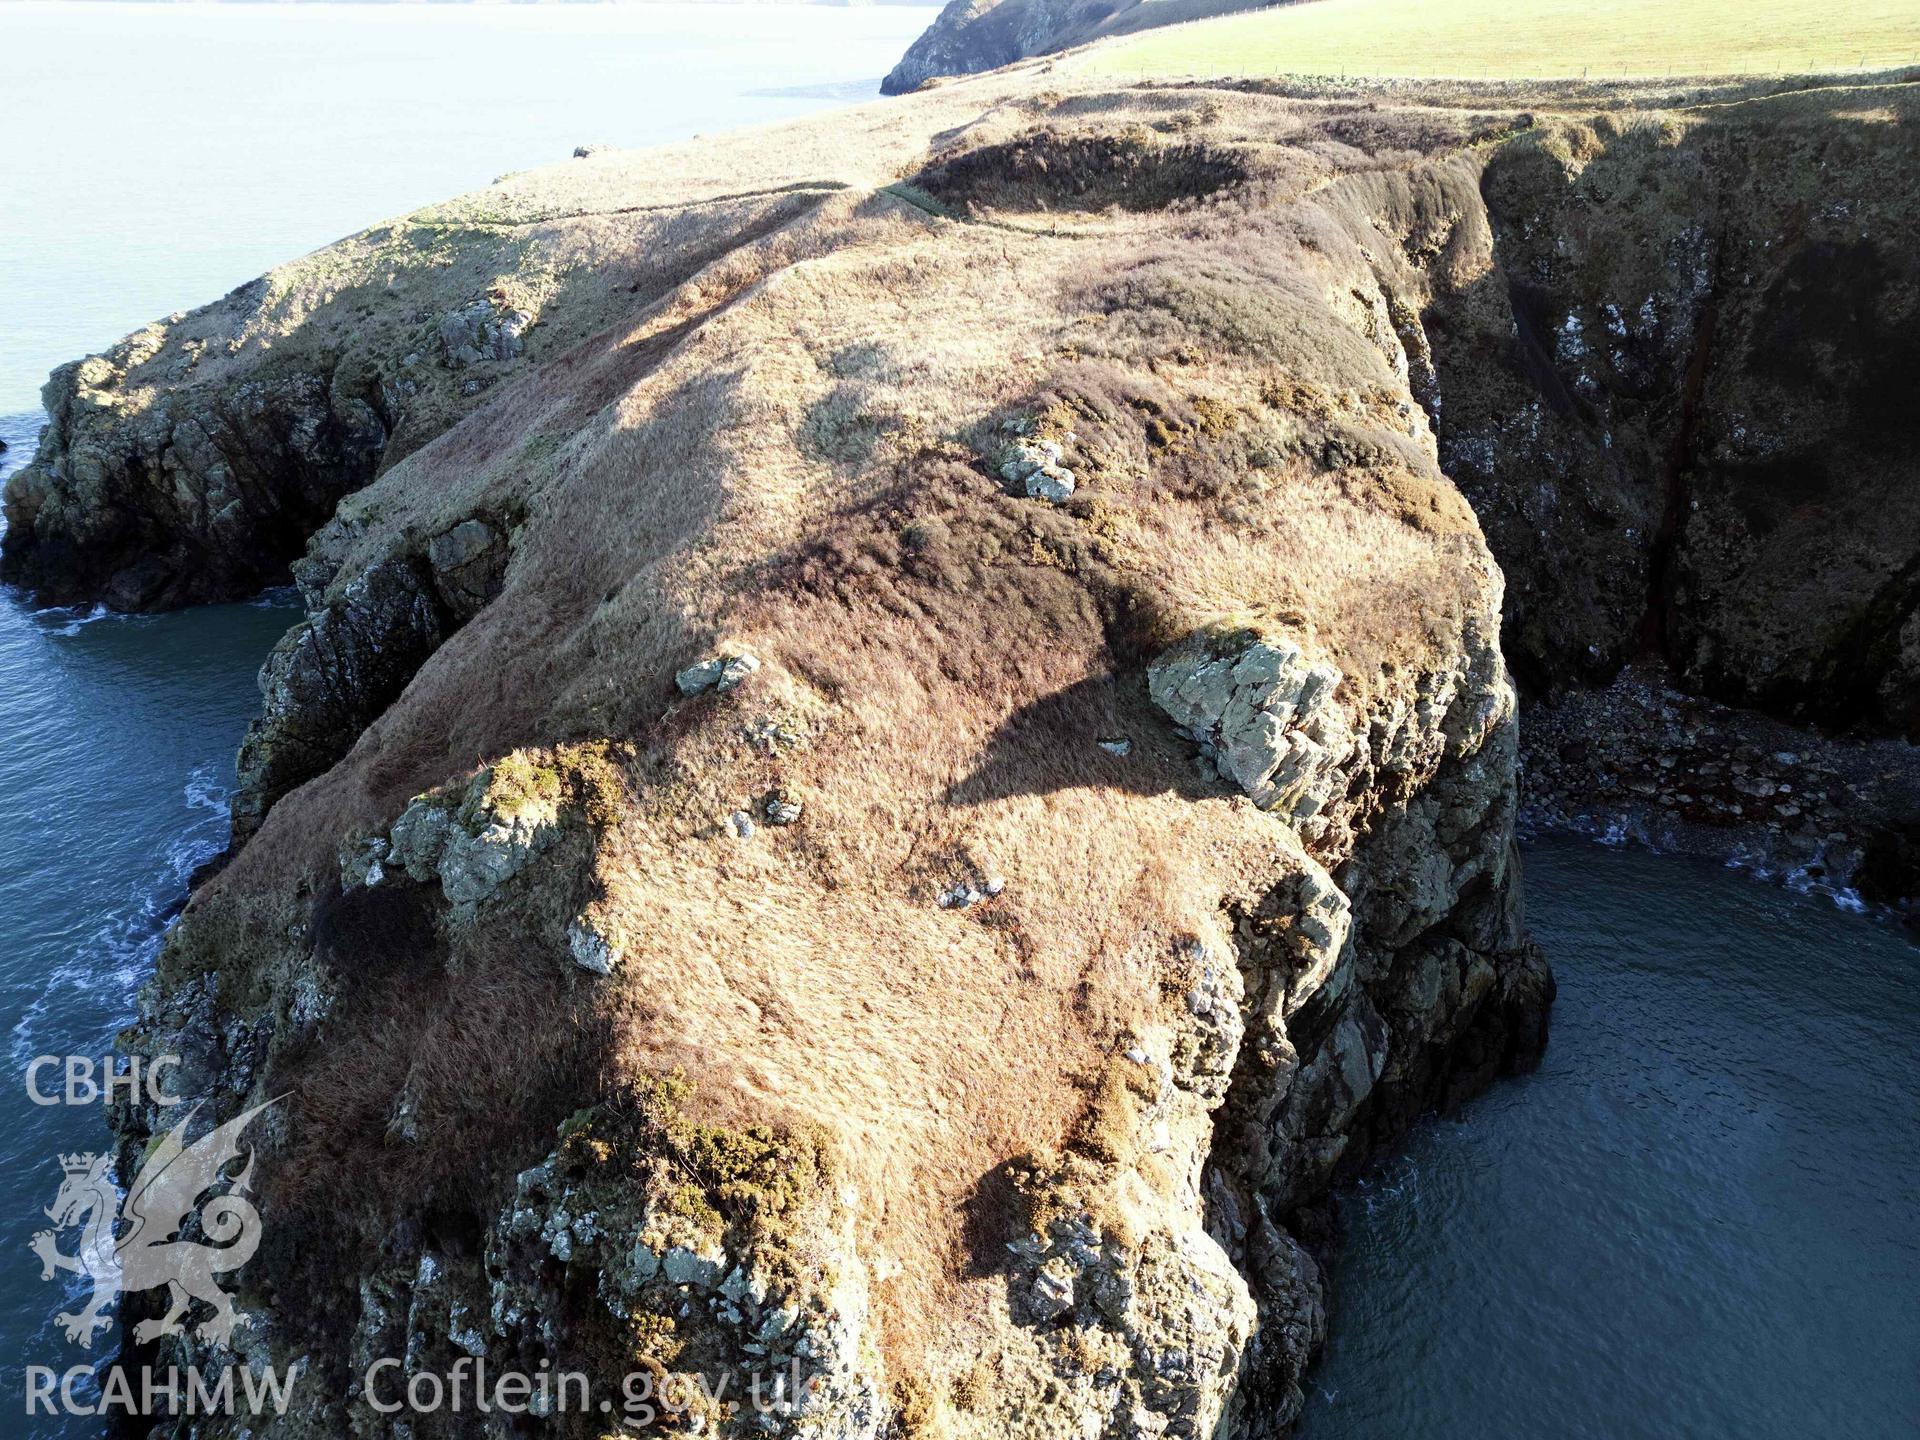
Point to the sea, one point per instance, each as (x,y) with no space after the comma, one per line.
(1698,1220)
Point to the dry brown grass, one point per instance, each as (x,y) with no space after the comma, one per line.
(794,450)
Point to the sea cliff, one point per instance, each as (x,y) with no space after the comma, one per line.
(896,759)
(969,36)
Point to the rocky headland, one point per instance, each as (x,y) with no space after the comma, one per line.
(969,36)
(897,759)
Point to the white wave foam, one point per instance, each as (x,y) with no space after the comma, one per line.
(1619,831)
(206,791)
(68,620)
(1802,880)
(117,957)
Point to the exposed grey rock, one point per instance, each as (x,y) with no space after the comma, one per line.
(641,1259)
(781,808)
(469,563)
(1035,466)
(1051,1295)
(1204,1060)
(487,852)
(362,861)
(1293,1324)
(196,497)
(717,672)
(361,643)
(1402,983)
(1260,712)
(418,838)
(330,676)
(973,35)
(479,331)
(1171,1318)
(403,1121)
(591,950)
(682,1266)
(472,841)
(1052,485)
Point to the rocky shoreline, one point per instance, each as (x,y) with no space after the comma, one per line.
(1642,761)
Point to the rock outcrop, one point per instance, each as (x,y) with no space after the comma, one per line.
(1262,716)
(187,498)
(1669,383)
(364,637)
(969,36)
(191,462)
(1673,394)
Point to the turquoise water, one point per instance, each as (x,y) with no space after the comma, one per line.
(151,158)
(1700,1218)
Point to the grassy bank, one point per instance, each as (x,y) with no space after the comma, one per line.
(1531,39)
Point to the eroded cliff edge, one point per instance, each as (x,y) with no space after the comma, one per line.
(903,806)
(193,461)
(1669,382)
(1020,1048)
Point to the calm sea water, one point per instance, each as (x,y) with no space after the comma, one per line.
(116,755)
(1700,1218)
(151,158)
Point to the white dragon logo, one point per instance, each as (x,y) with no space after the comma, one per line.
(149,1251)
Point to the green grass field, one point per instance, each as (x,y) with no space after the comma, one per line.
(1527,39)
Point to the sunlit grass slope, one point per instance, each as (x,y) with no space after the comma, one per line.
(1528,39)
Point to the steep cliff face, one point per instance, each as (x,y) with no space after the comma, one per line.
(897,815)
(974,35)
(1670,389)
(897,809)
(116,517)
(192,462)
(1674,399)
(969,36)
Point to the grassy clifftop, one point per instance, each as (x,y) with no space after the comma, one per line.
(1471,39)
(1529,40)
(899,750)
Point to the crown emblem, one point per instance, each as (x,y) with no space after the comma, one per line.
(77,1164)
